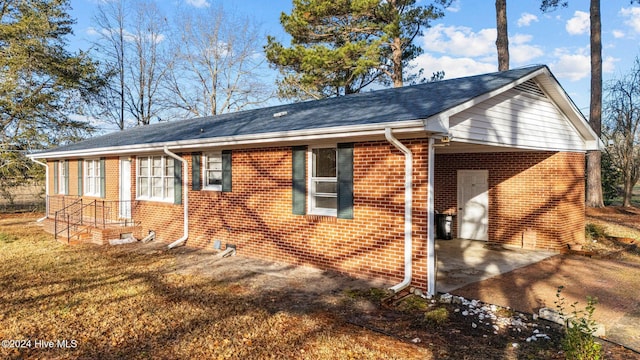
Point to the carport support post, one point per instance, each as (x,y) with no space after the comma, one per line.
(431,242)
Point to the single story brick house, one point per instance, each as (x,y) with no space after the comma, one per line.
(350,184)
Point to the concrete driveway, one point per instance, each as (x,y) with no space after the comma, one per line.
(462,262)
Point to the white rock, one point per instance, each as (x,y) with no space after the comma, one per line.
(446,298)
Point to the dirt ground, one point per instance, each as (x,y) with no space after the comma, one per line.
(456,330)
(613,277)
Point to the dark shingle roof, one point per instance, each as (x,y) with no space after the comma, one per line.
(388,105)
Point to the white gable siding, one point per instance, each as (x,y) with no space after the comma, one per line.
(519,119)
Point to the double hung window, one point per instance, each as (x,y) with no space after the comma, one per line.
(323,182)
(155,178)
(92,177)
(63,177)
(213,171)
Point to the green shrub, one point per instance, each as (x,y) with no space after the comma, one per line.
(578,342)
(413,303)
(595,232)
(437,317)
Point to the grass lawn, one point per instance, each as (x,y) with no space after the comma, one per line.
(108,302)
(102,302)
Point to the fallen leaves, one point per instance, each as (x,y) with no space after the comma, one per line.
(117,303)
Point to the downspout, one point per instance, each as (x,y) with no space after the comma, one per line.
(185,198)
(408,201)
(431,242)
(46,188)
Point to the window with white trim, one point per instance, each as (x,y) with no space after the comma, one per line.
(212,171)
(323,181)
(92,177)
(155,178)
(63,177)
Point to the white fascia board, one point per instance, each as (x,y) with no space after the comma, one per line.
(438,124)
(355,131)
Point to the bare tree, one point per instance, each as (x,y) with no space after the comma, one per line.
(146,69)
(623,124)
(132,35)
(502,39)
(110,21)
(217,63)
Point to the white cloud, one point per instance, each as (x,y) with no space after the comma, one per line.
(618,34)
(578,24)
(526,19)
(572,66)
(198,3)
(577,66)
(521,52)
(459,40)
(463,42)
(632,16)
(454,7)
(452,67)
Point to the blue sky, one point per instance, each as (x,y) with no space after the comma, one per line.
(462,43)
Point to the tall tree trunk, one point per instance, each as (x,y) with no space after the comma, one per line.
(397,62)
(594,176)
(628,187)
(502,40)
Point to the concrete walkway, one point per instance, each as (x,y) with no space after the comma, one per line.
(462,262)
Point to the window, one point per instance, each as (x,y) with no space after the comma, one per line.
(155,178)
(213,171)
(92,177)
(63,177)
(322,180)
(323,187)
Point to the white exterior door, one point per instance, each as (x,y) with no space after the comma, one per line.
(473,204)
(125,188)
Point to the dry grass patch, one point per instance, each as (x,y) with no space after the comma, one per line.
(117,303)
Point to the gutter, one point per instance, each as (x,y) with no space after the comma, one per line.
(264,139)
(408,204)
(185,199)
(46,188)
(431,239)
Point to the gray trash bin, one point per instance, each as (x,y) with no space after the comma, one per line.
(444,224)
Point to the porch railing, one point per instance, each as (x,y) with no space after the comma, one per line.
(76,214)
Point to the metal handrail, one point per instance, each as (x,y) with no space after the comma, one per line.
(63,213)
(103,215)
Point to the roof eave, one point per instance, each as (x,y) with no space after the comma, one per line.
(336,133)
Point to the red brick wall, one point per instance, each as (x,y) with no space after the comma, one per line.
(541,192)
(257,215)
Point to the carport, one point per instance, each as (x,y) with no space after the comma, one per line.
(461,261)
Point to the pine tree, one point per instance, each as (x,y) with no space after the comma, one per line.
(340,47)
(41,83)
